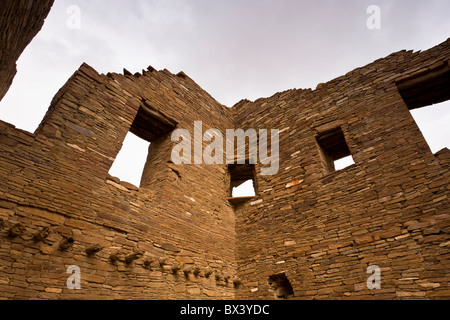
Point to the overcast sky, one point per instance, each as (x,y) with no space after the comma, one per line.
(232,49)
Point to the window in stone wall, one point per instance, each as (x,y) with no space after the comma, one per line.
(427,96)
(242,182)
(433,121)
(344,163)
(246,189)
(130,161)
(144,154)
(333,150)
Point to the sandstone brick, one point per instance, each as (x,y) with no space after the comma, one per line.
(53,290)
(411,294)
(179,288)
(78,224)
(210,293)
(193,291)
(92,278)
(49,216)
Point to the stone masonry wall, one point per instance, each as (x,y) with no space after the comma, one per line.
(390,209)
(310,230)
(58,179)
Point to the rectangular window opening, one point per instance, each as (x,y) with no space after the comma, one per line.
(133,163)
(334,152)
(131,159)
(246,189)
(242,183)
(344,163)
(427,96)
(433,123)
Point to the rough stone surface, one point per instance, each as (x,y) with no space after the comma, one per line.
(179,237)
(390,209)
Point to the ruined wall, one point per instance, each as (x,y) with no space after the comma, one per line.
(21,20)
(323,229)
(182,230)
(310,230)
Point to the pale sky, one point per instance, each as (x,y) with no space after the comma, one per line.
(232,49)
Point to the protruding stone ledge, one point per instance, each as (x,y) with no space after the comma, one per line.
(240,200)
